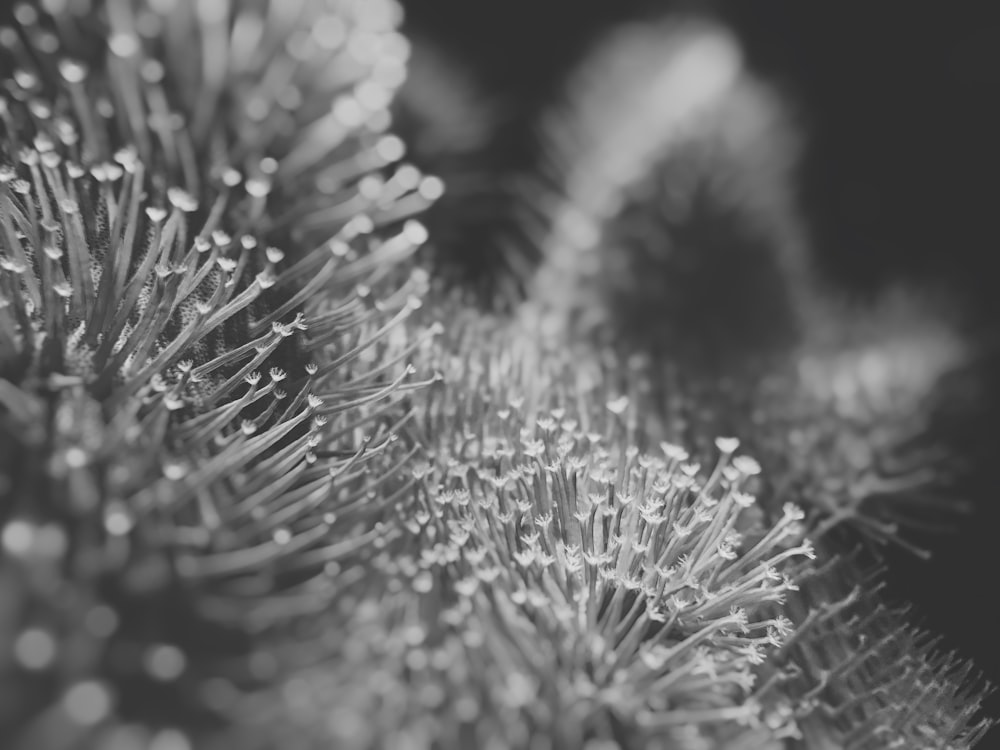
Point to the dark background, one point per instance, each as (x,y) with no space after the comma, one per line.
(900,102)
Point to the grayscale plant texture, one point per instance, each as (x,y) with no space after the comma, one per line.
(295,454)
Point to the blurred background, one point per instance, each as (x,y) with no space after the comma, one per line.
(899,182)
(898,99)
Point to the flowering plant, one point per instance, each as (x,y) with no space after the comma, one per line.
(267,481)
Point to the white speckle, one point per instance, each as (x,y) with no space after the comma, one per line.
(423,582)
(87,703)
(118,521)
(727,445)
(18,537)
(282,536)
(72,72)
(124,45)
(349,112)
(164,662)
(169,739)
(35,649)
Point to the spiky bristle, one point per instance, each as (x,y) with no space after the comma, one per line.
(232,516)
(189,409)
